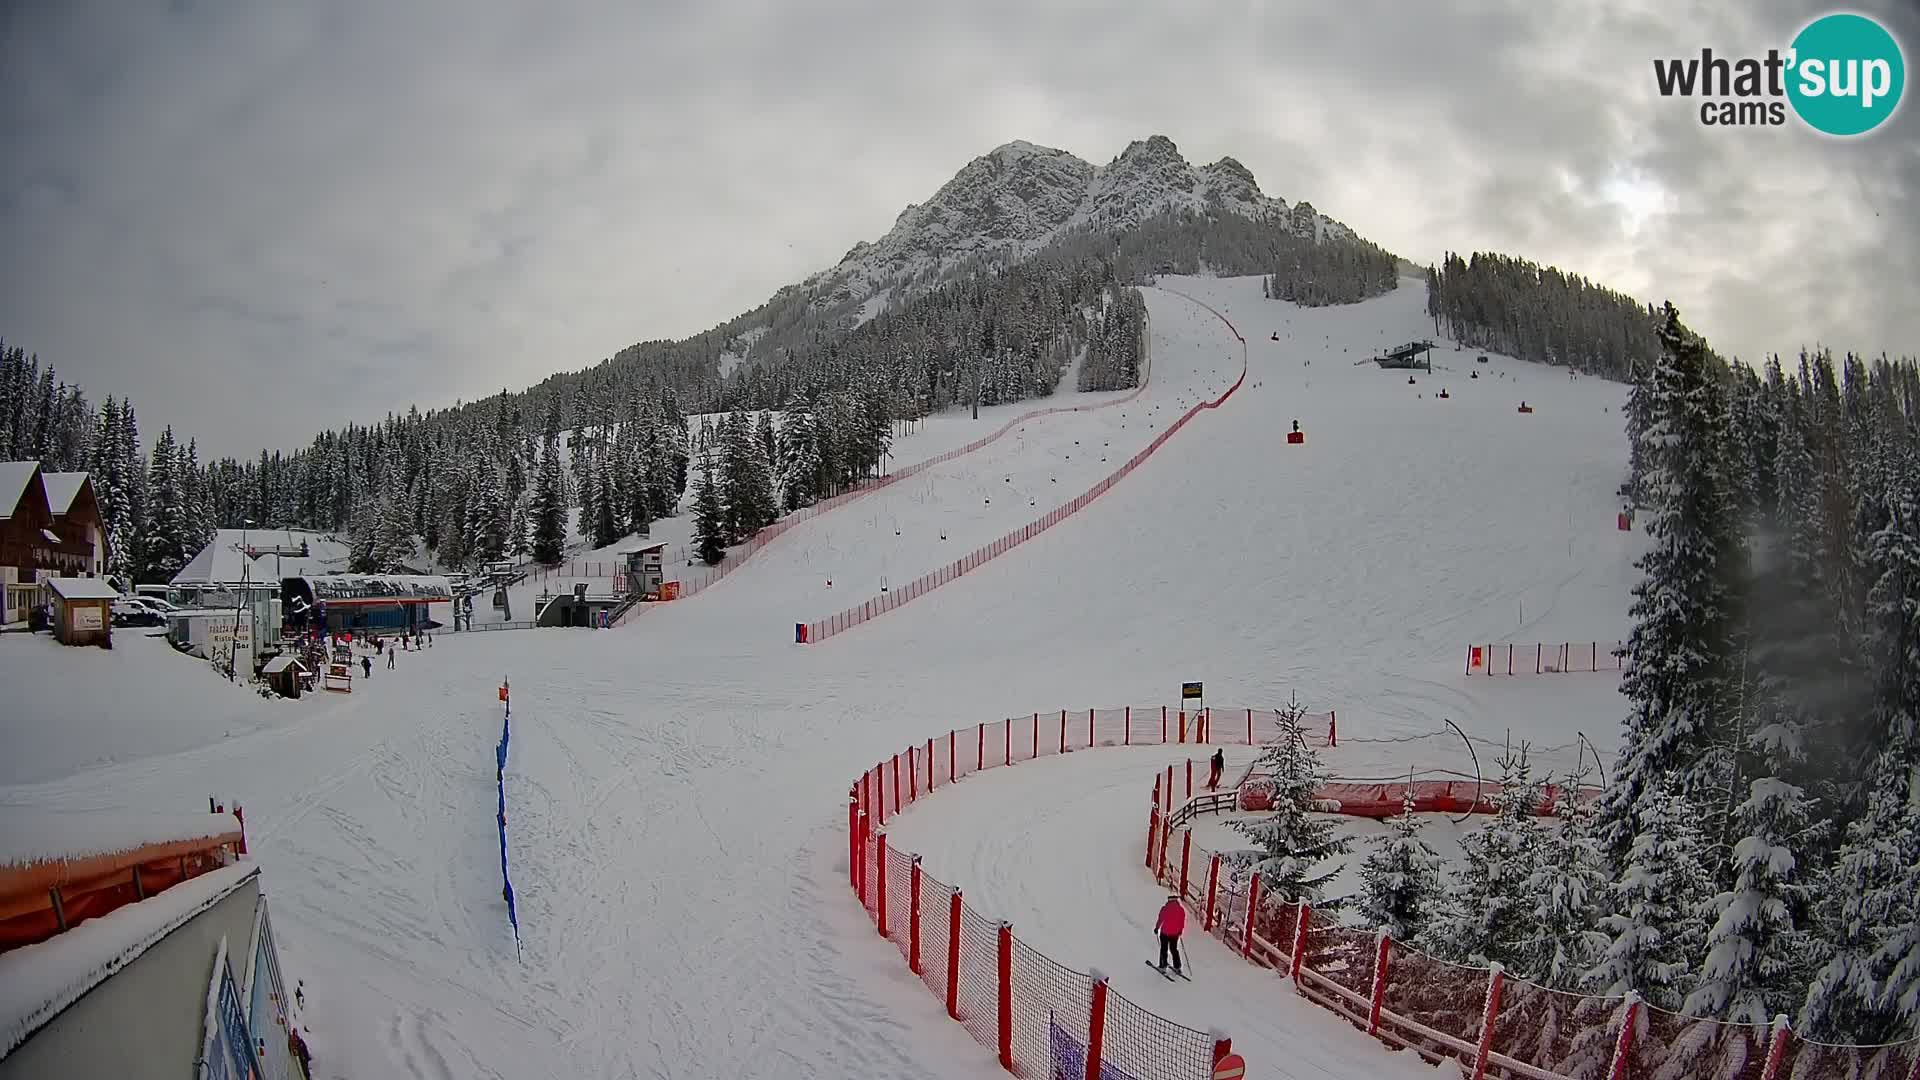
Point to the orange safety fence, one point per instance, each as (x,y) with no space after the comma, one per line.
(43,898)
(1544,657)
(699,580)
(821,629)
(1041,1018)
(1493,1024)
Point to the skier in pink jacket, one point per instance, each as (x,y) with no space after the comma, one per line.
(1171,924)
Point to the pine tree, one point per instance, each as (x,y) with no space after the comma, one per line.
(1400,883)
(1868,988)
(606,528)
(1489,912)
(1295,843)
(1757,950)
(1680,672)
(1656,927)
(164,538)
(549,509)
(709,517)
(1569,883)
(800,467)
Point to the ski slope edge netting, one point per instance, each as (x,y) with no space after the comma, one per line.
(1039,1016)
(893,599)
(698,582)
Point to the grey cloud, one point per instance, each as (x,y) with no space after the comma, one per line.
(260,222)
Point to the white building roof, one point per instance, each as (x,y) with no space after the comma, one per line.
(224,561)
(14,476)
(62,488)
(82,588)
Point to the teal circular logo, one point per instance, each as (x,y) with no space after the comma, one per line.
(1847,74)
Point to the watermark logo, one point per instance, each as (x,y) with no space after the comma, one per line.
(1843,75)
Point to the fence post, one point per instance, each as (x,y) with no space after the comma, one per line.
(1166,835)
(1249,727)
(1183,726)
(913,773)
(1776,1048)
(1378,994)
(1189,778)
(1253,910)
(980,752)
(1623,1046)
(1097,1027)
(1089,729)
(1213,892)
(1126,736)
(1301,924)
(1593,663)
(1222,1046)
(1487,1016)
(929,766)
(1333,727)
(1537,663)
(1063,731)
(880,878)
(1006,996)
(1009,760)
(853,844)
(897,804)
(1186,857)
(1036,736)
(913,916)
(1163,725)
(1153,829)
(952,769)
(953,955)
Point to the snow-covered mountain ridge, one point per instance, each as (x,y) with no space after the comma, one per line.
(1020,197)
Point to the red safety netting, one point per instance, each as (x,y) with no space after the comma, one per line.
(1142,1044)
(979,991)
(1440,1009)
(892,599)
(1045,992)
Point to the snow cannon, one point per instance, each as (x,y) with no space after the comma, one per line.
(1443,393)
(1525,408)
(1296,437)
(1410,380)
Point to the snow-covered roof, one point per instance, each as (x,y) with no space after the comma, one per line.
(224,560)
(14,477)
(31,834)
(83,588)
(39,981)
(346,588)
(281,663)
(62,488)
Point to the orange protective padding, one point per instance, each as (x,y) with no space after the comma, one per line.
(1429,797)
(96,885)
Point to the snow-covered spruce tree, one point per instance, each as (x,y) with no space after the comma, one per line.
(1569,885)
(1757,962)
(709,516)
(1295,843)
(164,539)
(1657,930)
(392,536)
(549,509)
(1400,883)
(1681,671)
(1868,988)
(763,433)
(799,460)
(1488,915)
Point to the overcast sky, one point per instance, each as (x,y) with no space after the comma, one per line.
(263,219)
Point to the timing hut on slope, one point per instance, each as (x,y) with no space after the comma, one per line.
(1414,354)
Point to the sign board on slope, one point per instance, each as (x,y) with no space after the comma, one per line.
(1231,1067)
(1189,691)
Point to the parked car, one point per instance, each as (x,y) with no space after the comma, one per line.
(131,611)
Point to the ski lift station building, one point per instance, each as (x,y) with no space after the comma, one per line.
(364,603)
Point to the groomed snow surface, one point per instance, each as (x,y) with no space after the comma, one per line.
(677,788)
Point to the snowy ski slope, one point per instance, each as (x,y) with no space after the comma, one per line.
(676,797)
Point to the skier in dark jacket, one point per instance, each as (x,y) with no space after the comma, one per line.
(1219,766)
(366,666)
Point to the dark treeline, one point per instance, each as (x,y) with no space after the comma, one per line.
(1541,314)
